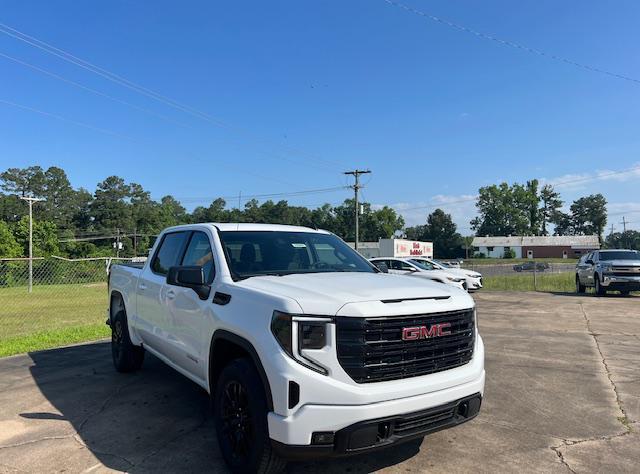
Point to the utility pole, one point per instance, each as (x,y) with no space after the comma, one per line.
(356,187)
(118,242)
(624,231)
(135,241)
(31,200)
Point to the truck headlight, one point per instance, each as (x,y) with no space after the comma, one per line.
(298,334)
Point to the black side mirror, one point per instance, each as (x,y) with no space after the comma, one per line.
(381,266)
(589,262)
(189,277)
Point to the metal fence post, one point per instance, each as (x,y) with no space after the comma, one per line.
(535,279)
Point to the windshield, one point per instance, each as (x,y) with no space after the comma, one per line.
(620,255)
(254,253)
(425,265)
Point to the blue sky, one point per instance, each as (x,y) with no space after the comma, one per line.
(296,92)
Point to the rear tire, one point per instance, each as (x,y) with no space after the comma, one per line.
(580,288)
(600,291)
(126,356)
(240,408)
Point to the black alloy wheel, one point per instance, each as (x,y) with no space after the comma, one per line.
(235,414)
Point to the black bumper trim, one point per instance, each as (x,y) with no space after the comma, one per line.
(387,431)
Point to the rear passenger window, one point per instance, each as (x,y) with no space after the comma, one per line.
(199,254)
(169,253)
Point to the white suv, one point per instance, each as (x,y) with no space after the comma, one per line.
(421,269)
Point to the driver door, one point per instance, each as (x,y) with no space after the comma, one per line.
(189,316)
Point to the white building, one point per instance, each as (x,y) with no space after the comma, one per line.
(395,248)
(552,246)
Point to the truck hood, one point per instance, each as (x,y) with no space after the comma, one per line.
(327,293)
(622,263)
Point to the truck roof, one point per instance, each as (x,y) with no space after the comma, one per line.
(238,227)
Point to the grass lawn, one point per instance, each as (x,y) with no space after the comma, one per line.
(564,282)
(513,261)
(51,316)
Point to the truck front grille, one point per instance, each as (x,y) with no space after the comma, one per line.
(372,349)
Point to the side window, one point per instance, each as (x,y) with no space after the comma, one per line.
(169,253)
(199,253)
(405,266)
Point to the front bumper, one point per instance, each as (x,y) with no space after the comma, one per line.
(378,433)
(297,429)
(617,282)
(474,283)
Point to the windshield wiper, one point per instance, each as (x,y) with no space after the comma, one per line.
(244,277)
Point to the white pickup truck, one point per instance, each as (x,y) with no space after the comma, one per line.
(306,349)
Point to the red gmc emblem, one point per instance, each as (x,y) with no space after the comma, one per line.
(425,332)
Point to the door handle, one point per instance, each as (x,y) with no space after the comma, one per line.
(171,294)
(142,286)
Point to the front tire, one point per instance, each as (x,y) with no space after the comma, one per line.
(580,288)
(240,408)
(126,356)
(600,291)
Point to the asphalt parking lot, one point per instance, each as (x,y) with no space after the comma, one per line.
(562,395)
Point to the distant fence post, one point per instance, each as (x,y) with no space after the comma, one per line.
(535,279)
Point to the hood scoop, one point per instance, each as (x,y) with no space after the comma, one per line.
(443,297)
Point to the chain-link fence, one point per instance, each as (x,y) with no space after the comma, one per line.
(67,302)
(531,275)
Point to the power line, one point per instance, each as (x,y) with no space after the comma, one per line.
(510,44)
(64,119)
(88,89)
(120,80)
(265,196)
(119,135)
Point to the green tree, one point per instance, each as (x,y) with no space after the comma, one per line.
(216,212)
(58,195)
(9,247)
(442,231)
(23,181)
(589,215)
(110,208)
(12,208)
(503,210)
(624,240)
(172,212)
(45,238)
(551,204)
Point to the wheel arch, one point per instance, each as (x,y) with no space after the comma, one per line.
(116,303)
(227,346)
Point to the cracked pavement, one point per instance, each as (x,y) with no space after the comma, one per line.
(562,395)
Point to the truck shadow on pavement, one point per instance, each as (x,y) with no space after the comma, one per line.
(153,421)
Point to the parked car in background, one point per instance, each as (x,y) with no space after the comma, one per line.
(407,266)
(531,266)
(305,347)
(606,270)
(473,279)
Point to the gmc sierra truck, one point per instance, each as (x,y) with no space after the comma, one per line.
(306,348)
